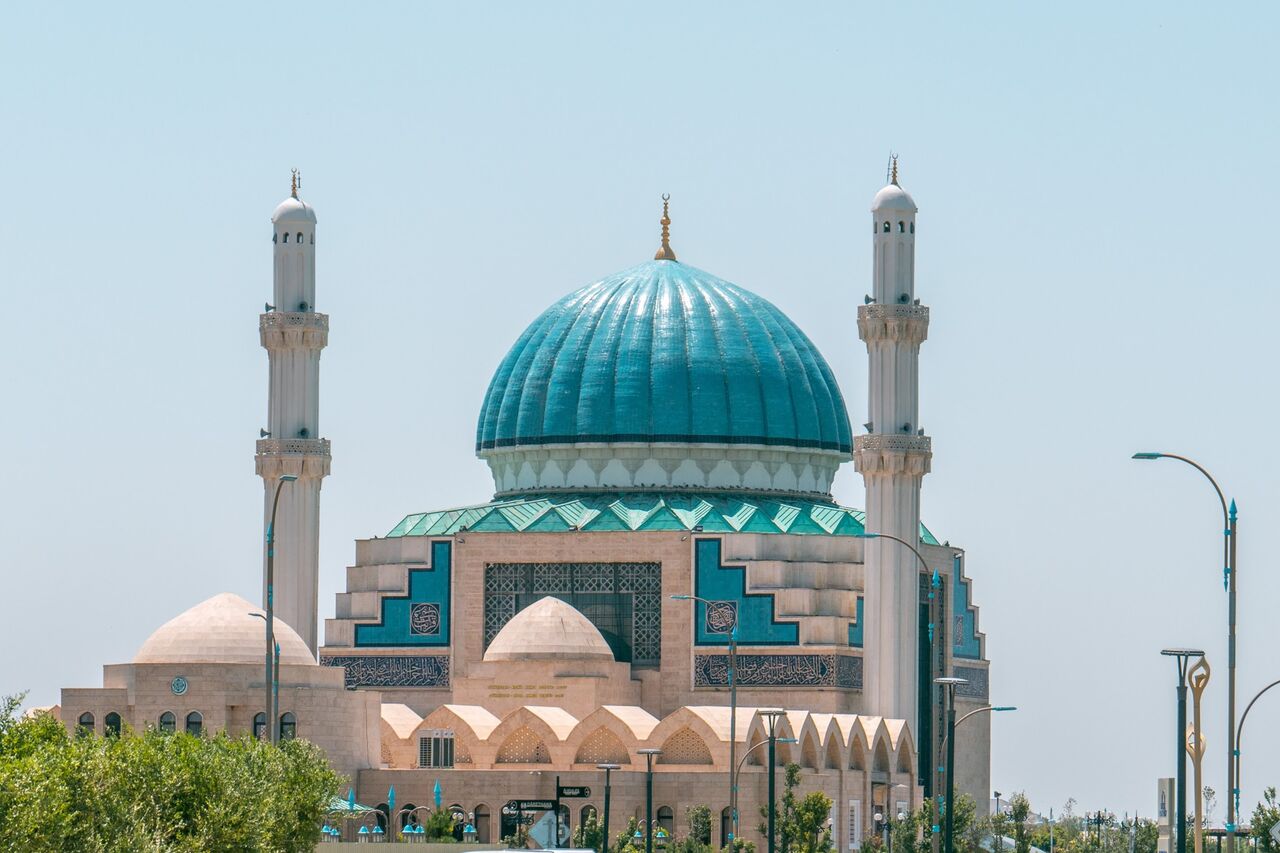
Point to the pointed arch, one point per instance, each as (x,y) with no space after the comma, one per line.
(523,746)
(685,747)
(629,724)
(809,754)
(858,752)
(549,725)
(835,754)
(710,725)
(602,747)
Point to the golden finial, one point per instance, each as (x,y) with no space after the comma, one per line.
(666,253)
(893,169)
(293,189)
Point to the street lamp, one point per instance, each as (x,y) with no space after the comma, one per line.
(607,768)
(273,691)
(738,770)
(1229,582)
(271,604)
(733,706)
(771,716)
(949,685)
(1182,656)
(1240,729)
(935,610)
(649,754)
(986,709)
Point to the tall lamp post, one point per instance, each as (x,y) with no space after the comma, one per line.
(985,709)
(738,770)
(607,768)
(272,725)
(1182,657)
(1228,581)
(733,706)
(949,685)
(935,620)
(771,716)
(649,755)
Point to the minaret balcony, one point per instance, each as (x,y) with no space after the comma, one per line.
(910,455)
(293,329)
(904,323)
(302,457)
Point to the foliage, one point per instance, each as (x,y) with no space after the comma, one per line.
(518,839)
(739,846)
(622,841)
(801,825)
(439,826)
(699,819)
(589,833)
(155,791)
(1209,804)
(1265,815)
(1019,812)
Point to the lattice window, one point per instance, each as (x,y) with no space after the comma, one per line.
(435,748)
(602,747)
(523,747)
(685,747)
(855,824)
(623,600)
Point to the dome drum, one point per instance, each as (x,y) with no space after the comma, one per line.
(648,467)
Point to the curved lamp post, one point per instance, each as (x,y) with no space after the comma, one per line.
(1229,582)
(743,761)
(1240,729)
(733,706)
(935,611)
(273,724)
(983,710)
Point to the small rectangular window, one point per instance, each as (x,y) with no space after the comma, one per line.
(435,748)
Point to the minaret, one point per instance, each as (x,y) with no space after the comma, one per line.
(893,457)
(293,335)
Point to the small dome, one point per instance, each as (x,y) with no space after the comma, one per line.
(221,630)
(294,209)
(548,629)
(894,197)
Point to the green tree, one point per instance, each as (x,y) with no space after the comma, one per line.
(589,833)
(1019,813)
(699,820)
(154,791)
(1266,814)
(622,841)
(439,826)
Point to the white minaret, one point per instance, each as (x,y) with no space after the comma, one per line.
(893,457)
(294,334)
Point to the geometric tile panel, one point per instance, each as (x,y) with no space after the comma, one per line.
(420,618)
(978,686)
(725,587)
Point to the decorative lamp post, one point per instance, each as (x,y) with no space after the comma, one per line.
(949,685)
(1229,582)
(733,704)
(649,754)
(1240,729)
(607,768)
(272,724)
(1182,657)
(771,716)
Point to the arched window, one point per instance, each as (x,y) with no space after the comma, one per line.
(84,726)
(667,820)
(275,238)
(288,726)
(913,228)
(195,723)
(902,227)
(259,726)
(483,824)
(312,241)
(111,724)
(726,826)
(588,811)
(299,238)
(886,228)
(168,722)
(286,236)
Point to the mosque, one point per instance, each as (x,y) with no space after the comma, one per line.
(662,444)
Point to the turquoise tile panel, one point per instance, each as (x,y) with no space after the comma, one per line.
(420,618)
(755,617)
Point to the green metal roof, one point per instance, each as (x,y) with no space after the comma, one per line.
(637,511)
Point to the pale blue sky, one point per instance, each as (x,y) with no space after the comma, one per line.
(1096,184)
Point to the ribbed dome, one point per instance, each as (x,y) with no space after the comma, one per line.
(221,630)
(664,353)
(548,629)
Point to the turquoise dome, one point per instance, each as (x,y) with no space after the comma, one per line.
(664,353)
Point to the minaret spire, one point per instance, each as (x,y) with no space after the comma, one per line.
(893,176)
(294,335)
(665,252)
